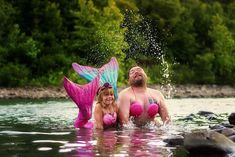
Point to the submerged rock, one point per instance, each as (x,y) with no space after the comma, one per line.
(231,118)
(174,141)
(205,113)
(225,129)
(218,127)
(228,132)
(232,138)
(208,142)
(208,115)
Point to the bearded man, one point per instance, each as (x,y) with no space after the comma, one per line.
(140,102)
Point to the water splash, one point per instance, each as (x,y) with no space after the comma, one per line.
(130,124)
(142,36)
(147,45)
(166,86)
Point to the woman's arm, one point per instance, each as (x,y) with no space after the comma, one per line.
(98,116)
(116,108)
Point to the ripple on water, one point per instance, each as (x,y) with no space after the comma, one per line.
(44,148)
(32,133)
(49,141)
(65,150)
(157,143)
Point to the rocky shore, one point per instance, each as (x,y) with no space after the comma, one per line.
(177,91)
(217,141)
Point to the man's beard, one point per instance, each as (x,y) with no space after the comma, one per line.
(138,83)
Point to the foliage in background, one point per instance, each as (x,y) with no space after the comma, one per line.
(182,41)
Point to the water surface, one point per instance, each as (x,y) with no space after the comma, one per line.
(45,128)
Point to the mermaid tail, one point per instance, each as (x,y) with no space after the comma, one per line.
(109,73)
(83,96)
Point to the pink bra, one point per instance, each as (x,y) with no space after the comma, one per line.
(136,109)
(110,118)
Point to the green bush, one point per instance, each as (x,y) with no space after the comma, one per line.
(203,69)
(12,75)
(183,74)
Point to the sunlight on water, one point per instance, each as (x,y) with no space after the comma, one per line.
(44,148)
(50,141)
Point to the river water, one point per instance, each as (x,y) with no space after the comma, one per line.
(30,128)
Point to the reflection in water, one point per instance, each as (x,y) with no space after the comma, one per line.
(143,142)
(82,144)
(106,142)
(135,142)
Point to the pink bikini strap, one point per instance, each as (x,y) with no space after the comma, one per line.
(152,99)
(134,93)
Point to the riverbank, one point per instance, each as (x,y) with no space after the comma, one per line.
(177,91)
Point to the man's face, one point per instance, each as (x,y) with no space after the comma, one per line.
(137,77)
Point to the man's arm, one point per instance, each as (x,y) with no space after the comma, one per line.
(124,107)
(163,108)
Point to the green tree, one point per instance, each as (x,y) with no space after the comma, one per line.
(230,17)
(223,49)
(203,69)
(166,12)
(98,34)
(183,45)
(7,13)
(18,54)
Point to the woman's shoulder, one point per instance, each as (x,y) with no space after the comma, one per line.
(98,106)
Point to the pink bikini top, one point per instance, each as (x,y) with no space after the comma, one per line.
(136,109)
(110,118)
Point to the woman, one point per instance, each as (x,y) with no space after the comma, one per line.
(106,109)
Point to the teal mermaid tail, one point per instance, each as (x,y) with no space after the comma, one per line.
(83,96)
(108,72)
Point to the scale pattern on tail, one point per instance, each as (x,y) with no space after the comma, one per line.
(83,96)
(108,72)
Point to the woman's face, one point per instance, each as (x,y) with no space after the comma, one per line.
(108,96)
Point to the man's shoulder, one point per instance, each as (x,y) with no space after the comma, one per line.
(124,91)
(154,90)
(127,89)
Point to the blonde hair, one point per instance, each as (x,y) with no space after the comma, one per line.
(102,93)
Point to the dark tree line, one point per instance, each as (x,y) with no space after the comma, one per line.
(191,40)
